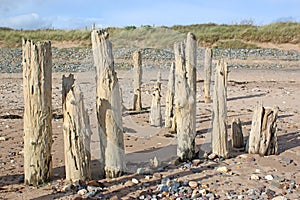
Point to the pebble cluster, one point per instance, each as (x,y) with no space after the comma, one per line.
(168,183)
(81,59)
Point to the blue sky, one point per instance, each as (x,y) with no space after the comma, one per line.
(78,14)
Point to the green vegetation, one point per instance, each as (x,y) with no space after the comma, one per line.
(220,36)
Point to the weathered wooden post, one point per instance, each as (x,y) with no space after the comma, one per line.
(109,108)
(263,137)
(37,81)
(77,132)
(219,117)
(155,112)
(137,80)
(207,73)
(237,134)
(169,113)
(185,91)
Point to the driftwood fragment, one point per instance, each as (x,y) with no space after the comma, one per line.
(219,118)
(37,81)
(77,132)
(263,136)
(109,107)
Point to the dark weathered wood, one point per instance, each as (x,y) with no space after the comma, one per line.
(237,134)
(109,108)
(207,74)
(219,126)
(77,132)
(185,80)
(169,113)
(155,112)
(137,80)
(263,136)
(37,82)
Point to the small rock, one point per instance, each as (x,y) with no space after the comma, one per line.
(269,177)
(212,156)
(143,171)
(193,184)
(93,188)
(203,192)
(223,169)
(254,177)
(82,192)
(2,138)
(135,181)
(91,194)
(163,188)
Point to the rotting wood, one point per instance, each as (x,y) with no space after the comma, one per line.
(109,108)
(155,110)
(37,83)
(237,134)
(263,136)
(185,90)
(207,74)
(219,117)
(169,113)
(137,80)
(77,132)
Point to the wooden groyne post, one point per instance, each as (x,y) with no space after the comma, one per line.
(109,107)
(219,118)
(77,132)
(37,82)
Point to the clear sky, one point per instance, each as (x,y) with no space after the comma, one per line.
(78,14)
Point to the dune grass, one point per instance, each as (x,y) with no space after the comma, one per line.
(221,36)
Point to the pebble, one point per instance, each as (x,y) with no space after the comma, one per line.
(269,177)
(212,156)
(2,138)
(223,169)
(135,181)
(254,177)
(193,184)
(82,192)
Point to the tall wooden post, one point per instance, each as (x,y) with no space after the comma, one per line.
(109,108)
(77,132)
(137,80)
(185,100)
(219,127)
(207,74)
(155,112)
(169,113)
(263,137)
(37,81)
